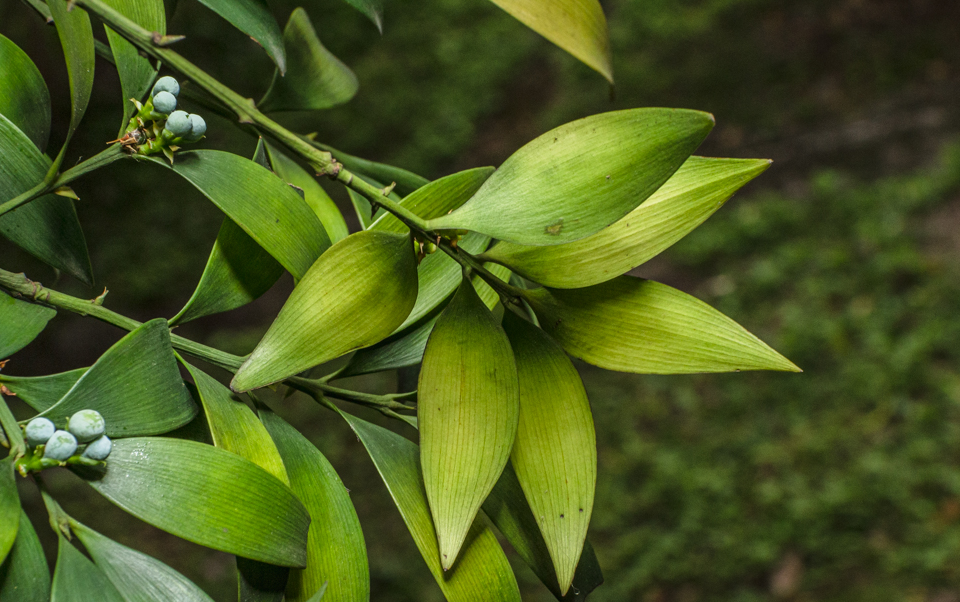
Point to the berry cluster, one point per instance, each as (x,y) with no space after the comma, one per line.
(83,442)
(158,127)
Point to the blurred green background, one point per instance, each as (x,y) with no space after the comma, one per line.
(839,484)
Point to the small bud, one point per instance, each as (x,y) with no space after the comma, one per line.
(60,446)
(98,449)
(86,425)
(164,102)
(166,84)
(178,124)
(38,431)
(198,127)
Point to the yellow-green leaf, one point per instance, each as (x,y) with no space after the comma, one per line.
(577,26)
(686,200)
(555,452)
(355,295)
(581,177)
(467,409)
(313,193)
(635,325)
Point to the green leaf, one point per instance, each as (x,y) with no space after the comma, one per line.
(135,385)
(508,509)
(313,193)
(77,579)
(24,575)
(373,9)
(336,552)
(253,18)
(20,323)
(205,495)
(577,26)
(42,392)
(482,572)
(9,506)
(356,294)
(467,409)
(555,452)
(136,72)
(407,182)
(581,177)
(11,429)
(48,227)
(315,78)
(234,427)
(635,325)
(24,98)
(140,578)
(362,207)
(260,203)
(686,200)
(76,37)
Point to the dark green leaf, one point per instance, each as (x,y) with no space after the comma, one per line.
(356,294)
(20,323)
(467,409)
(313,193)
(336,552)
(253,18)
(139,578)
(205,495)
(76,37)
(9,506)
(581,177)
(77,579)
(47,228)
(635,325)
(24,575)
(260,203)
(24,98)
(482,571)
(555,452)
(135,385)
(315,79)
(136,72)
(42,392)
(373,9)
(507,508)
(577,26)
(686,200)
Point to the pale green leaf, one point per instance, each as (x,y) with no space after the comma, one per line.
(205,495)
(313,193)
(555,452)
(9,506)
(482,572)
(24,98)
(467,409)
(336,552)
(355,295)
(20,323)
(260,203)
(24,575)
(77,579)
(581,177)
(48,227)
(41,392)
(136,72)
(686,200)
(135,385)
(635,325)
(253,18)
(315,79)
(137,576)
(577,26)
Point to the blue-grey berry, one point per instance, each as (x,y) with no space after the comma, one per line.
(164,102)
(86,425)
(198,128)
(38,431)
(178,124)
(166,84)
(60,446)
(98,449)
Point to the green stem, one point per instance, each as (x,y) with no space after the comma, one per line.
(95,162)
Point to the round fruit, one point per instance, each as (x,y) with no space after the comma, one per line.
(198,127)
(38,431)
(166,84)
(164,102)
(178,123)
(86,425)
(61,446)
(98,449)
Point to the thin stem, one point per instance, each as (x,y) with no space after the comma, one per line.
(97,161)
